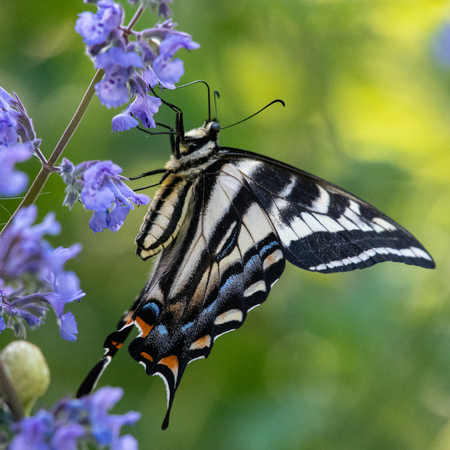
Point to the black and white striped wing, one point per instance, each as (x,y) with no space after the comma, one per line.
(320,226)
(223,263)
(246,217)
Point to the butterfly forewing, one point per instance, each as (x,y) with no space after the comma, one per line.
(322,227)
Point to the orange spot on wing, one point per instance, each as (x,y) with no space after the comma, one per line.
(146,356)
(273,257)
(143,326)
(172,363)
(117,344)
(203,342)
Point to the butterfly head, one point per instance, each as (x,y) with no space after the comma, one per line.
(200,139)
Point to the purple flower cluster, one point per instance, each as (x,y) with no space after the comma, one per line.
(28,263)
(132,66)
(73,422)
(17,143)
(99,185)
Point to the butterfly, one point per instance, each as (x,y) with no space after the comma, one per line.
(223,223)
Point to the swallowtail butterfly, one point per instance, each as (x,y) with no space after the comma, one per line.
(223,222)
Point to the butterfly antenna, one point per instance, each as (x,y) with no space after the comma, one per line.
(216,96)
(209,93)
(253,115)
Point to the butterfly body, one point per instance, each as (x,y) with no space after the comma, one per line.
(171,202)
(223,222)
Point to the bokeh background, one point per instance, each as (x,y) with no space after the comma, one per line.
(345,362)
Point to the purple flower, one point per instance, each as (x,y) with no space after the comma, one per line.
(143,108)
(33,432)
(167,70)
(17,143)
(25,254)
(123,121)
(66,436)
(150,77)
(71,176)
(14,115)
(101,190)
(30,309)
(97,193)
(72,424)
(148,54)
(130,58)
(113,220)
(8,124)
(66,289)
(117,57)
(105,427)
(68,327)
(13,182)
(173,43)
(112,90)
(96,28)
(22,248)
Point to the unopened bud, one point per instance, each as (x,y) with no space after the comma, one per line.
(27,370)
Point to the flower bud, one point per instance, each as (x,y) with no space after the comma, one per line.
(27,370)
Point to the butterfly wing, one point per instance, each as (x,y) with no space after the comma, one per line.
(246,216)
(223,262)
(322,227)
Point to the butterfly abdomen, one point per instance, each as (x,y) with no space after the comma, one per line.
(165,215)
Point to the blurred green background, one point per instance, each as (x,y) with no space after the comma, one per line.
(344,362)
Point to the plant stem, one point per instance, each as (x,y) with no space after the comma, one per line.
(39,183)
(135,18)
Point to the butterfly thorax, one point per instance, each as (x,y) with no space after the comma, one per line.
(198,149)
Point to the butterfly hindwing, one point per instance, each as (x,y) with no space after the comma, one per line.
(222,264)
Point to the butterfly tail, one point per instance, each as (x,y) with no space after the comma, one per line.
(171,370)
(112,344)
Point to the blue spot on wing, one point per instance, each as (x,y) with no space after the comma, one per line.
(187,326)
(161,329)
(269,246)
(153,307)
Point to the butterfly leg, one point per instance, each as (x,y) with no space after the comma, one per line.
(112,344)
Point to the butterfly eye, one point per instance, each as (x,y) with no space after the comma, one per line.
(215,127)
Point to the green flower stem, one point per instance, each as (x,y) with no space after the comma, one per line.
(9,395)
(39,183)
(135,18)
